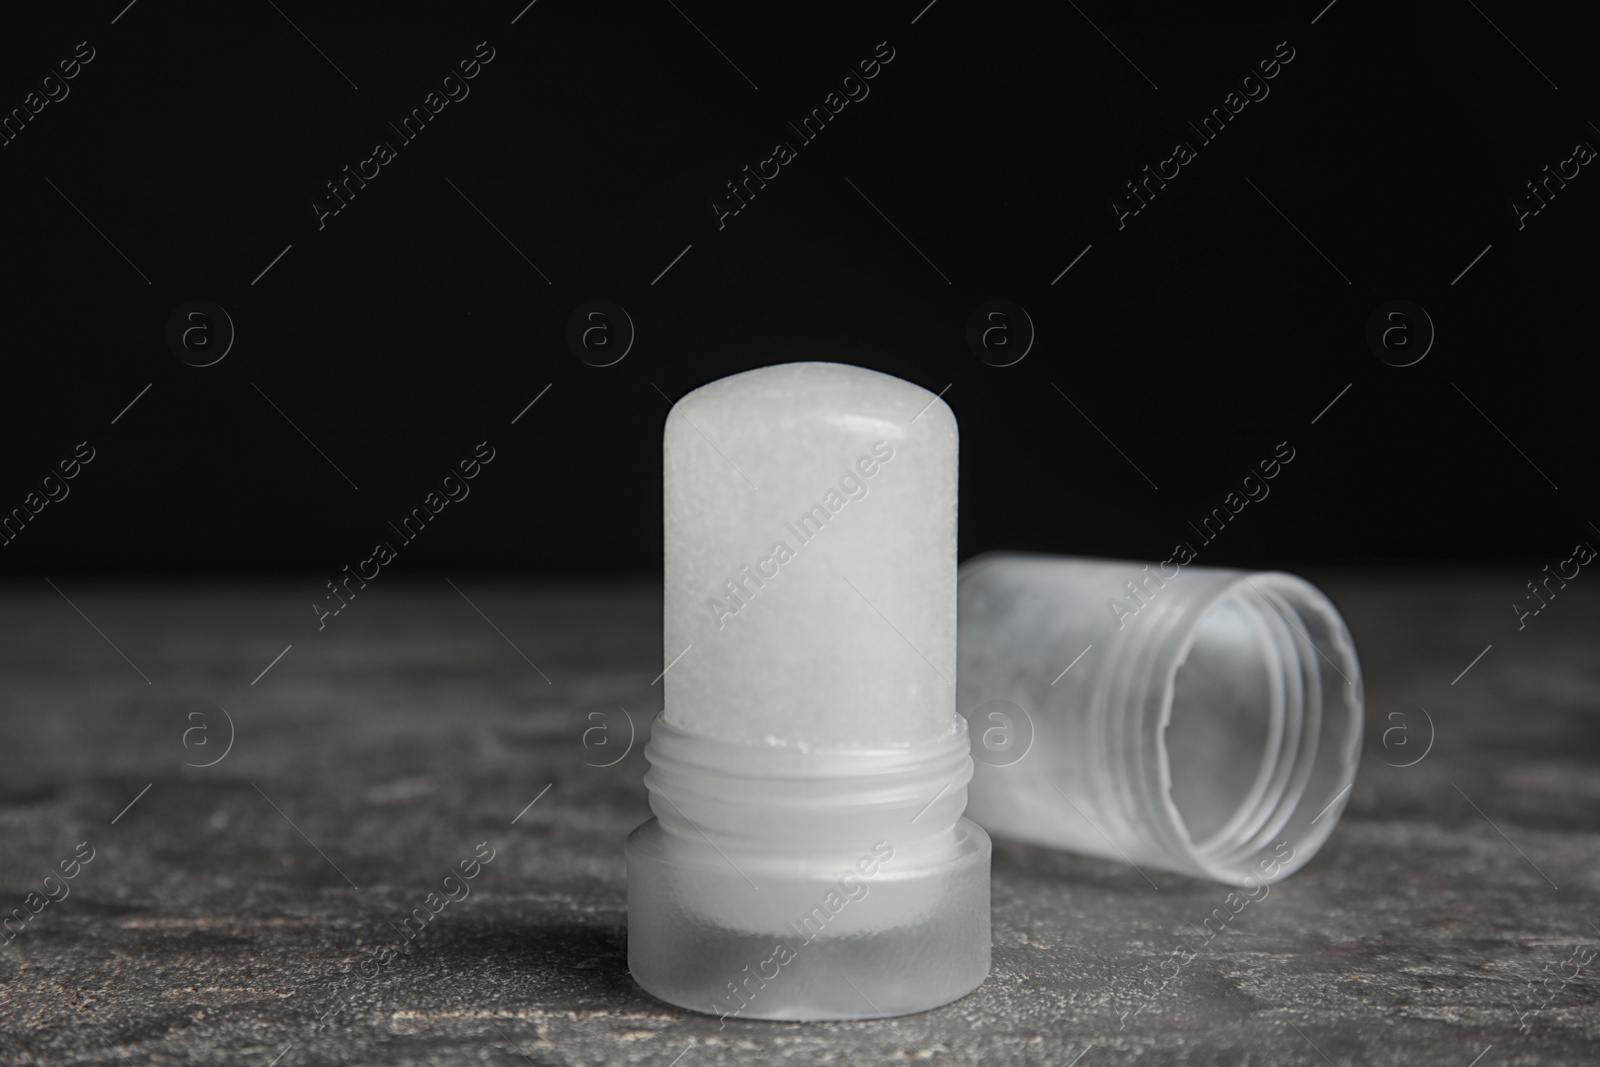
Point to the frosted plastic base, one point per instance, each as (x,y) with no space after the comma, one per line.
(918,938)
(789,882)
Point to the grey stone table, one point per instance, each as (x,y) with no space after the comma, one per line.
(239,913)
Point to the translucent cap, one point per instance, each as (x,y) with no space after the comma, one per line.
(1175,717)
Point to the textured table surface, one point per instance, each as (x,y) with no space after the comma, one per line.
(234,913)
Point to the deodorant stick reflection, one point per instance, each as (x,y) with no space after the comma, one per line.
(810,541)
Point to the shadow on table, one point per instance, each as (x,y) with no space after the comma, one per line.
(558,963)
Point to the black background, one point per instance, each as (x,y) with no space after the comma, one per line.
(408,329)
